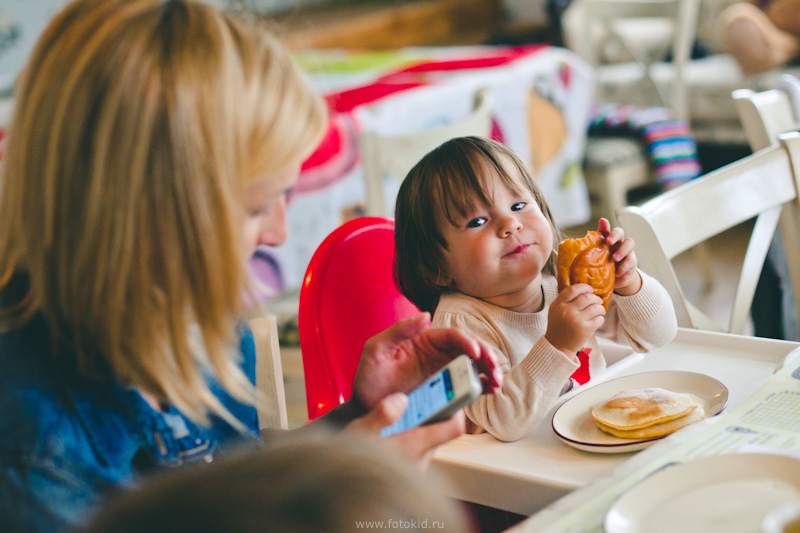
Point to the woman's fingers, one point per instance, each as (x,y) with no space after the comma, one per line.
(405,329)
(420,440)
(384,414)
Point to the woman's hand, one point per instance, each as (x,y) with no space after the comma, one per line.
(397,360)
(402,356)
(574,316)
(628,281)
(416,442)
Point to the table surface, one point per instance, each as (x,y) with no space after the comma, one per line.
(527,475)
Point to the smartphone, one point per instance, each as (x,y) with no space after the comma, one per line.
(441,395)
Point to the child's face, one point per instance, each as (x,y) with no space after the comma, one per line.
(265,210)
(497,252)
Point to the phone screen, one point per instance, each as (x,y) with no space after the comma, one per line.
(423,402)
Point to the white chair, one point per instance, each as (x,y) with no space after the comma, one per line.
(761,186)
(269,373)
(627,42)
(391,157)
(630,24)
(764,116)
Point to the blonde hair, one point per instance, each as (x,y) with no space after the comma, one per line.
(301,483)
(137,126)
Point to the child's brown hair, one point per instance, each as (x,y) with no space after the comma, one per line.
(447,184)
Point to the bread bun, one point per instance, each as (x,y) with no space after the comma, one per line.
(587,260)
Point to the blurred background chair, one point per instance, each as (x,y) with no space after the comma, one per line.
(639,49)
(390,157)
(767,114)
(269,373)
(348,295)
(761,187)
(764,116)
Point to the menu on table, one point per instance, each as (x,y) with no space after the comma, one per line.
(767,421)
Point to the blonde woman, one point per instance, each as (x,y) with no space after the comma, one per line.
(151,149)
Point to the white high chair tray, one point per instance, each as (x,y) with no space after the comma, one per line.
(535,471)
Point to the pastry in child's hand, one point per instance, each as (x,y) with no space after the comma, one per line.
(587,260)
(644,413)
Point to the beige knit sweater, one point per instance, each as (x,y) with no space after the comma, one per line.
(536,372)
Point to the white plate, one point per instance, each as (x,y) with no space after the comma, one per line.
(723,493)
(573,422)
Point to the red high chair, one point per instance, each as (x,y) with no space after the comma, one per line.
(348,295)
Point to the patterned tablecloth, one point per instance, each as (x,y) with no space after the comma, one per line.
(540,95)
(540,98)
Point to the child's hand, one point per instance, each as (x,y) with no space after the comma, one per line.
(574,316)
(628,281)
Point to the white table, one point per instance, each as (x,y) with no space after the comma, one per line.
(527,475)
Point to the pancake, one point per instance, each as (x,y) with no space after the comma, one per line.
(640,408)
(657,430)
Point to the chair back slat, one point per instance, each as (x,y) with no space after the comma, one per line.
(764,115)
(269,373)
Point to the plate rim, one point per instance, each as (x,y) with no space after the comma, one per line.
(631,442)
(693,462)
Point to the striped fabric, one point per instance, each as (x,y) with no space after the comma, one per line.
(668,140)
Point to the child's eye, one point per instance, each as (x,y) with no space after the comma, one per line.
(518,206)
(476,222)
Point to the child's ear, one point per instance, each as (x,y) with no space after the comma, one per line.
(443,280)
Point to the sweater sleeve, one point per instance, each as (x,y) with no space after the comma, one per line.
(529,388)
(644,321)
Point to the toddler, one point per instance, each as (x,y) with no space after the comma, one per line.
(476,245)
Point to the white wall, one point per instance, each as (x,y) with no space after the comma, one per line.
(27,18)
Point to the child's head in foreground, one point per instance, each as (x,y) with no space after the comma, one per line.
(471,219)
(298,483)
